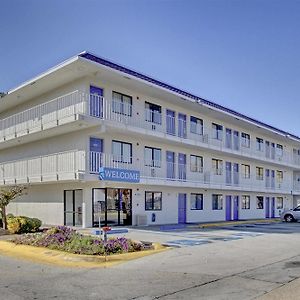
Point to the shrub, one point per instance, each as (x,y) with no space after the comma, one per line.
(22,224)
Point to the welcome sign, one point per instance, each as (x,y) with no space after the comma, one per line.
(123,175)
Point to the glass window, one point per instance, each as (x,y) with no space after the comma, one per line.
(153,200)
(259,144)
(121,104)
(122,152)
(245,171)
(260,202)
(196,163)
(245,202)
(217,166)
(279,175)
(279,150)
(196,125)
(196,202)
(259,173)
(245,140)
(279,202)
(152,113)
(217,131)
(152,157)
(217,202)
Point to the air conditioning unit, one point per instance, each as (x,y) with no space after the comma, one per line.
(141,220)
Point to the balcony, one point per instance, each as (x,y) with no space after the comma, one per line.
(83,110)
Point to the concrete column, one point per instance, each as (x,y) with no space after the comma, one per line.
(87,208)
(83,215)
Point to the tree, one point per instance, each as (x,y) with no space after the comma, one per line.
(6,196)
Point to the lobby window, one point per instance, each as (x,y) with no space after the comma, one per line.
(196,125)
(245,171)
(279,175)
(259,173)
(196,202)
(245,140)
(152,113)
(217,166)
(217,202)
(259,144)
(122,152)
(152,157)
(196,163)
(153,200)
(245,202)
(279,150)
(279,202)
(121,104)
(260,202)
(217,131)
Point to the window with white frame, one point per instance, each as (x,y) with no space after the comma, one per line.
(196,202)
(217,166)
(259,202)
(245,141)
(196,125)
(245,171)
(152,113)
(279,176)
(217,202)
(279,150)
(196,163)
(245,202)
(259,173)
(152,157)
(259,144)
(122,152)
(217,131)
(279,202)
(121,104)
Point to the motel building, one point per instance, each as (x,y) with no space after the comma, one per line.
(98,142)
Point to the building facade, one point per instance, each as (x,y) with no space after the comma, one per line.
(98,142)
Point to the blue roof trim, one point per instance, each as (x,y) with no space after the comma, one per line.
(125,70)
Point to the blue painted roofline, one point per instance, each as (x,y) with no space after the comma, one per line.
(159,83)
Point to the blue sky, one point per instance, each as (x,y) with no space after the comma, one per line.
(244,54)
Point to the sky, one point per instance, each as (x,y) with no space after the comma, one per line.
(243,54)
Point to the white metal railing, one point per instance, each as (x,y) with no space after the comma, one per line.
(52,167)
(65,108)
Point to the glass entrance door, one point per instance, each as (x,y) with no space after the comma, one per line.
(73,207)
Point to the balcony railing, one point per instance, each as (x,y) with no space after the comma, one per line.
(65,109)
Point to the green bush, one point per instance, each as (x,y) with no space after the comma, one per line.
(22,224)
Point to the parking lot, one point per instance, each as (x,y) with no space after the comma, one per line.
(245,261)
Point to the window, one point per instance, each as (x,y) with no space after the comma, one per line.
(196,125)
(259,173)
(259,144)
(217,202)
(260,202)
(153,200)
(196,202)
(279,202)
(217,166)
(279,175)
(152,157)
(122,152)
(245,202)
(245,171)
(152,113)
(196,163)
(245,140)
(217,131)
(279,150)
(121,104)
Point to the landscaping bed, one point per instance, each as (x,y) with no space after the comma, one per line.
(66,239)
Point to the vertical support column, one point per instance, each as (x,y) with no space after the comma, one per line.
(87,207)
(83,214)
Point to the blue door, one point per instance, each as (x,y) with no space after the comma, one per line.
(181,208)
(236,140)
(273,179)
(236,176)
(273,208)
(228,173)
(267,149)
(267,172)
(235,208)
(182,125)
(273,151)
(228,208)
(170,164)
(96,149)
(96,102)
(267,211)
(170,121)
(181,166)
(228,138)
